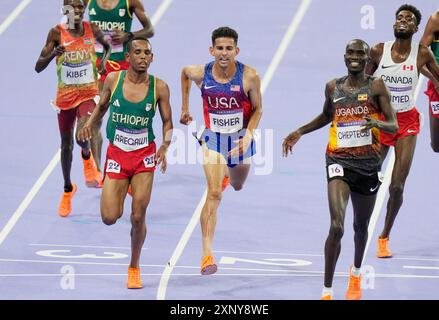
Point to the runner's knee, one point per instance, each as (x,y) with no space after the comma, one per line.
(110,215)
(360,228)
(337,230)
(67,145)
(138,218)
(396,189)
(109,220)
(214,194)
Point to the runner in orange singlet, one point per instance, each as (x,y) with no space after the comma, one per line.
(73,46)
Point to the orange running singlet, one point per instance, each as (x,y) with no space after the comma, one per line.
(76,69)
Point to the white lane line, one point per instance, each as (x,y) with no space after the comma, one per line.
(160,11)
(14,14)
(29,197)
(56,158)
(416,259)
(421,267)
(78,246)
(271,253)
(300,13)
(197,275)
(381,196)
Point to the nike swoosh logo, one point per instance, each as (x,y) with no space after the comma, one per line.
(411,131)
(385,67)
(65,44)
(208,87)
(373,189)
(338,99)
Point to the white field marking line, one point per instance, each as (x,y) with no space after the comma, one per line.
(197,275)
(421,267)
(416,259)
(56,158)
(386,183)
(78,246)
(161,292)
(14,14)
(77,262)
(160,11)
(271,253)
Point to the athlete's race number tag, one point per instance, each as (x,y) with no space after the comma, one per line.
(113,166)
(77,73)
(435,107)
(149,161)
(335,170)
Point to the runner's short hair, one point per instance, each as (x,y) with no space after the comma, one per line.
(224,32)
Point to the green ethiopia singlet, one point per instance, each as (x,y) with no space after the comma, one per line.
(107,20)
(129,125)
(435,48)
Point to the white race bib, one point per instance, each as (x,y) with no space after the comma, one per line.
(130,140)
(350,135)
(226,123)
(81,74)
(112,166)
(434,107)
(335,170)
(149,161)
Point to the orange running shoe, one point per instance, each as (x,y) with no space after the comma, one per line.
(354,287)
(383,248)
(327,297)
(226,182)
(90,172)
(134,279)
(208,265)
(65,206)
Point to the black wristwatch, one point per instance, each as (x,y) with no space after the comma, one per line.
(130,36)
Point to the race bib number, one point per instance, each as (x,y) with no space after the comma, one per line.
(113,166)
(351,135)
(335,170)
(434,107)
(149,161)
(130,140)
(77,73)
(115,47)
(226,123)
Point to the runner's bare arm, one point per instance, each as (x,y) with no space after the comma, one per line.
(431,29)
(428,59)
(380,91)
(51,49)
(139,11)
(101,108)
(255,95)
(320,121)
(188,74)
(164,106)
(376,52)
(99,36)
(136,6)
